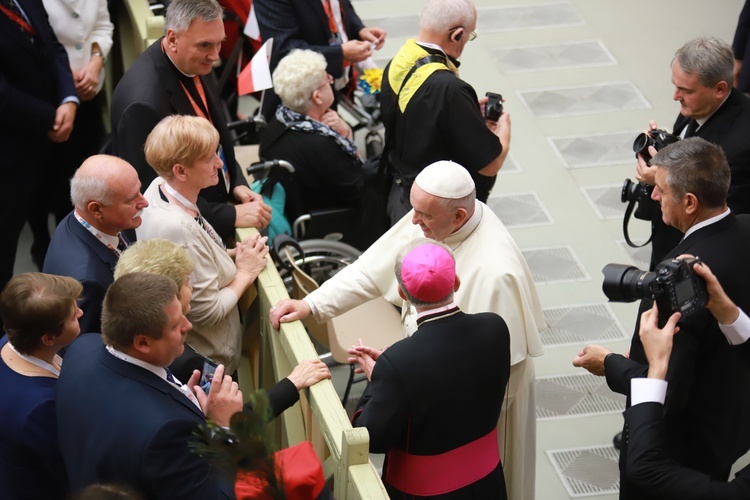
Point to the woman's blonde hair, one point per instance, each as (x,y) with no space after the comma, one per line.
(156,256)
(180,139)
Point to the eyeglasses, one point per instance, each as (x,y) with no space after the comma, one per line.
(329,81)
(472,34)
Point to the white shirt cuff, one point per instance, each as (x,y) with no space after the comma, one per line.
(738,332)
(313,309)
(647,390)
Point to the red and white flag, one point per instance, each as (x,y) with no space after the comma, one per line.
(257,74)
(252,30)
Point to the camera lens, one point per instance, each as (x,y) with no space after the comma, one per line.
(641,143)
(623,283)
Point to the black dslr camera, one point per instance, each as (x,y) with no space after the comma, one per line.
(639,192)
(657,138)
(673,285)
(494,107)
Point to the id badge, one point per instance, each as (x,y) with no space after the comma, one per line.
(224,168)
(335,39)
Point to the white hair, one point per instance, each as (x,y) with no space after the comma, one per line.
(296,78)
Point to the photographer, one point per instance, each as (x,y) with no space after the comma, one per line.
(705,416)
(649,464)
(430,114)
(703,74)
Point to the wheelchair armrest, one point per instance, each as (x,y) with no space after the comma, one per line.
(320,222)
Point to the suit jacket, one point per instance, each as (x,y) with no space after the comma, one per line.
(34,80)
(301,24)
(439,389)
(649,463)
(705,414)
(75,252)
(120,423)
(729,127)
(149,91)
(740,46)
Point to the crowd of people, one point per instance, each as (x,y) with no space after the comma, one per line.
(129,340)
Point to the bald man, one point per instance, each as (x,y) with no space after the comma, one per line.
(494,276)
(106,194)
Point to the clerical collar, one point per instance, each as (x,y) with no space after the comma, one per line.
(437,49)
(159,371)
(164,51)
(107,240)
(707,222)
(456,239)
(437,312)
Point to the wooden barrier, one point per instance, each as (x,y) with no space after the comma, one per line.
(319,416)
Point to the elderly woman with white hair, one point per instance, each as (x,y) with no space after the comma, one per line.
(311,136)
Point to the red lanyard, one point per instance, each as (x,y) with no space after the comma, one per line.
(19,21)
(199,87)
(331,20)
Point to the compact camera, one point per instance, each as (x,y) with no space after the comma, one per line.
(494,107)
(673,285)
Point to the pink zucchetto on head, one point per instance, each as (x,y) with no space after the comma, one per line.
(445,179)
(428,273)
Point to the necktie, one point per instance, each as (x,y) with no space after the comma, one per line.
(121,245)
(691,128)
(171,379)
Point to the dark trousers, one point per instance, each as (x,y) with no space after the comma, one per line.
(54,190)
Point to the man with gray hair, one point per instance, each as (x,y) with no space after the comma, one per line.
(706,409)
(495,279)
(107,200)
(173,77)
(430,114)
(703,75)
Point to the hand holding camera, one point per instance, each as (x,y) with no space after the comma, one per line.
(674,286)
(493,108)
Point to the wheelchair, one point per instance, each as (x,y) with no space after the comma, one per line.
(315,247)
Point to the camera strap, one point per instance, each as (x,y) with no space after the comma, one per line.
(625,221)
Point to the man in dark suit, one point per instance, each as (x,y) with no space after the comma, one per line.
(421,407)
(702,73)
(122,417)
(38,103)
(706,417)
(105,192)
(173,77)
(332,28)
(649,464)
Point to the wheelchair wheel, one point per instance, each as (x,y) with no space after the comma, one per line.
(322,259)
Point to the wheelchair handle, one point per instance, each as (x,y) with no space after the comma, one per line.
(266,166)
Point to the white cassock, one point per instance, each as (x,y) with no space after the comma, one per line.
(494,278)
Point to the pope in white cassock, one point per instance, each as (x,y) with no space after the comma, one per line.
(494,278)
